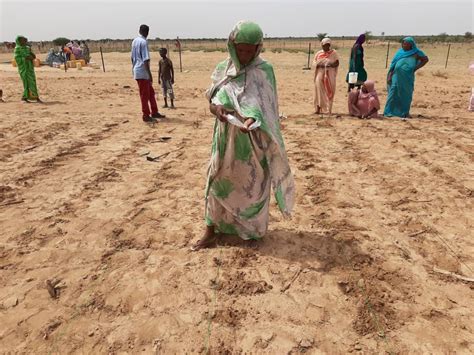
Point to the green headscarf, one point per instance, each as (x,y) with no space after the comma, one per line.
(244,32)
(21,51)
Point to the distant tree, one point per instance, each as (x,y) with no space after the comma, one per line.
(368,35)
(60,41)
(442,37)
(321,36)
(383,34)
(468,35)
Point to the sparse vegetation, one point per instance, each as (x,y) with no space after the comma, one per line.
(60,41)
(283,44)
(368,35)
(440,74)
(321,36)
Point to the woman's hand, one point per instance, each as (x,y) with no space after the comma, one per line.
(248,122)
(219,111)
(421,62)
(389,78)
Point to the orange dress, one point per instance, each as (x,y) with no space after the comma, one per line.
(325,80)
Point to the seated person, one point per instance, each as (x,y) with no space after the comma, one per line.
(76,50)
(364,102)
(67,52)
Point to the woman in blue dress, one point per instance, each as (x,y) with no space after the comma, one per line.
(401,78)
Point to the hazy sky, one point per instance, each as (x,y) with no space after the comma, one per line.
(82,19)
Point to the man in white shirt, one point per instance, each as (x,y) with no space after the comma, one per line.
(142,74)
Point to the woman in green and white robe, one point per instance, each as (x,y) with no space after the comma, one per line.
(248,156)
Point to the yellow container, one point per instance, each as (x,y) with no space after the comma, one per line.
(61,66)
(83,62)
(72,57)
(71,64)
(14,62)
(36,62)
(78,65)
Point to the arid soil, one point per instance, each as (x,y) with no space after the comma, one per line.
(94,238)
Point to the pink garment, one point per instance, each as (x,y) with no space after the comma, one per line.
(361,104)
(324,80)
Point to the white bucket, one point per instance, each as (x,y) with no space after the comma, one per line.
(353,77)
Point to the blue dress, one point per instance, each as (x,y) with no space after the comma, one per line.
(400,92)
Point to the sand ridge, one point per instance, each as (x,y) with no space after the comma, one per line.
(380,203)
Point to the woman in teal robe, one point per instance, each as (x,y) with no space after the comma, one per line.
(356,63)
(401,78)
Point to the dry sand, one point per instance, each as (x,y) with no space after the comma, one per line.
(379,205)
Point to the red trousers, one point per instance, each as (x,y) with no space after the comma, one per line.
(147,95)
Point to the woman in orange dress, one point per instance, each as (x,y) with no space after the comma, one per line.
(326,62)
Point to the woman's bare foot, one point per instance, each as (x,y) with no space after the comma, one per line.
(318,111)
(207,241)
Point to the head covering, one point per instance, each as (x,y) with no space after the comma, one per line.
(325,41)
(360,40)
(371,93)
(21,50)
(18,38)
(369,85)
(244,32)
(401,53)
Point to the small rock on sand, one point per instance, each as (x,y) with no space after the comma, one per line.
(10,302)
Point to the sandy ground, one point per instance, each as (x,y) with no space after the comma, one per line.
(380,206)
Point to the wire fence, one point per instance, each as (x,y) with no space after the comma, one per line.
(210,45)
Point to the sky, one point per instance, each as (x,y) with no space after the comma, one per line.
(85,19)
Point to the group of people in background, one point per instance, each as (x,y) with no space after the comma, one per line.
(24,57)
(248,155)
(363,100)
(75,50)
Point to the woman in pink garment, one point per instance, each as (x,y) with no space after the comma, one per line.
(364,102)
(326,62)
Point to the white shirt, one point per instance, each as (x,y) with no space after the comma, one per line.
(140,54)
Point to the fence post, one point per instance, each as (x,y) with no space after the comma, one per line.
(388,50)
(178,43)
(447,56)
(309,54)
(102,56)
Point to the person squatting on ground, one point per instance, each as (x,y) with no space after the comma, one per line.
(364,102)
